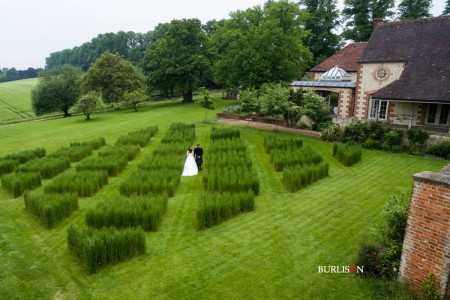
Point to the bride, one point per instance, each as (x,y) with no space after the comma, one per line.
(190,166)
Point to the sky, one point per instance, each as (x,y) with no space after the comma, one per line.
(30,30)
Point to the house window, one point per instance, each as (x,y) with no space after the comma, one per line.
(437,114)
(381,74)
(378,110)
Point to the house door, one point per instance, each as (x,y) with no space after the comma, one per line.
(437,114)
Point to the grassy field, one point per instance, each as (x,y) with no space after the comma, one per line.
(270,253)
(15,104)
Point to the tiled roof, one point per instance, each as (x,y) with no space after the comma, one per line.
(424,46)
(347,58)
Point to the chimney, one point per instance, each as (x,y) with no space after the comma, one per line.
(376,21)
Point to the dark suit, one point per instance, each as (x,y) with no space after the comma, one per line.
(198,154)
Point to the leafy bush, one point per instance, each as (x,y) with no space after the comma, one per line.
(297,176)
(96,248)
(48,167)
(50,208)
(224,133)
(375,265)
(441,149)
(393,140)
(347,154)
(332,134)
(430,288)
(7,166)
(84,183)
(417,138)
(233,109)
(27,155)
(214,208)
(356,132)
(113,164)
(17,183)
(123,212)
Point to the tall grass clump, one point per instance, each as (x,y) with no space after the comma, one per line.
(214,208)
(113,164)
(179,133)
(282,158)
(224,133)
(50,208)
(17,183)
(7,166)
(231,179)
(27,155)
(273,142)
(48,167)
(74,153)
(140,137)
(95,144)
(145,182)
(124,212)
(297,176)
(226,145)
(347,154)
(84,183)
(129,151)
(96,248)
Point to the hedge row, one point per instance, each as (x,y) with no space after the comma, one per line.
(229,180)
(213,208)
(140,137)
(84,183)
(48,167)
(123,212)
(298,176)
(50,208)
(347,154)
(96,248)
(17,183)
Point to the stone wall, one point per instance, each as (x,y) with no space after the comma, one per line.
(426,247)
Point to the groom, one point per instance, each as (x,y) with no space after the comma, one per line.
(198,154)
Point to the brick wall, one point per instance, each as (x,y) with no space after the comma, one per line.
(426,247)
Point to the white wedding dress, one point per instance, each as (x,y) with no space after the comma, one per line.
(190,166)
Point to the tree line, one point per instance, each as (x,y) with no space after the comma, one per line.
(12,74)
(273,43)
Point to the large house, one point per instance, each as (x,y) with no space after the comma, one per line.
(400,76)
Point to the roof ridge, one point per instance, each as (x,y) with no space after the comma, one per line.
(430,19)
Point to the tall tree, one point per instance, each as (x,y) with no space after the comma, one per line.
(414,9)
(322,20)
(359,15)
(112,76)
(446,9)
(57,90)
(261,44)
(181,58)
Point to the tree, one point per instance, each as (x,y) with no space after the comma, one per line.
(249,101)
(322,20)
(180,60)
(261,45)
(132,99)
(112,76)
(359,15)
(57,90)
(275,100)
(89,103)
(314,106)
(206,100)
(446,9)
(414,9)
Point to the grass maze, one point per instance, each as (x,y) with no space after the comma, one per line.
(229,182)
(300,165)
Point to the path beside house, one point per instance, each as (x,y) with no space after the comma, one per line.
(268,127)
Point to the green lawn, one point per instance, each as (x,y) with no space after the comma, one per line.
(15,104)
(270,253)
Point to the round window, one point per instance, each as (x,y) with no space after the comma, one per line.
(381,74)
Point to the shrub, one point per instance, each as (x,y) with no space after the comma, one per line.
(96,248)
(113,164)
(347,154)
(332,134)
(430,288)
(50,208)
(233,109)
(7,166)
(375,265)
(374,144)
(441,149)
(124,212)
(84,183)
(298,176)
(48,167)
(356,132)
(214,208)
(393,140)
(376,130)
(27,155)
(417,138)
(17,183)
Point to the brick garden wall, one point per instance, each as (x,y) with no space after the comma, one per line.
(426,246)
